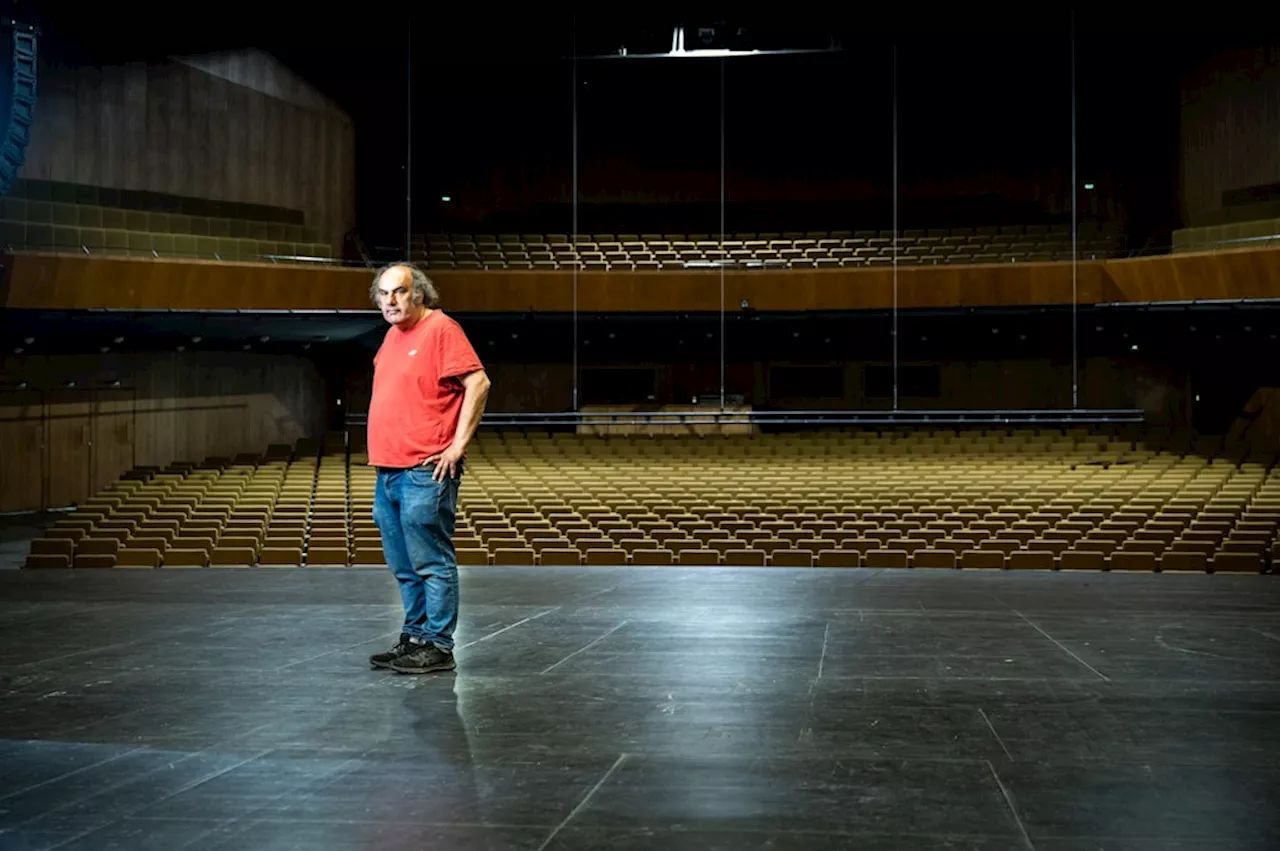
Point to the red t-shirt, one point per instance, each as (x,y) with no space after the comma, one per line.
(417,397)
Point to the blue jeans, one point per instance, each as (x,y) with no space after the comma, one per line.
(416,517)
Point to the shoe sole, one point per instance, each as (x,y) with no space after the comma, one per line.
(431,670)
(386,666)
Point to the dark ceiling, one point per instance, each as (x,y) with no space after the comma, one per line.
(1128,65)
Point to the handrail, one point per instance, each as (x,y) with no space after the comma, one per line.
(1088,416)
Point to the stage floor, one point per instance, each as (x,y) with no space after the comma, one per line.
(628,708)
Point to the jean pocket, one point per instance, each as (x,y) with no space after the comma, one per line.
(422,477)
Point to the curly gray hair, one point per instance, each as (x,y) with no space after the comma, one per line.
(424,291)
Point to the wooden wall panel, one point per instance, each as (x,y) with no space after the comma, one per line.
(161,159)
(177,407)
(87,107)
(68,282)
(1230,129)
(113,428)
(1009,383)
(22,461)
(206,177)
(530,387)
(68,428)
(1215,275)
(182,130)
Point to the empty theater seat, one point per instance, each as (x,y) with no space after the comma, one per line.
(822,250)
(1019,499)
(42,215)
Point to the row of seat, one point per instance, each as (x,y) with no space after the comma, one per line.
(653,251)
(1029,499)
(268,512)
(1085,229)
(93,241)
(96,216)
(1032,497)
(972,559)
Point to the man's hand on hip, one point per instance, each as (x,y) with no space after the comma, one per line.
(446,463)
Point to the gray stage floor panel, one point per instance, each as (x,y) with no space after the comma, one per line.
(628,708)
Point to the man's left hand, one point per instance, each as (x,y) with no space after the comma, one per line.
(446,463)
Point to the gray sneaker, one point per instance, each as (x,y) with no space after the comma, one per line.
(384,660)
(423,659)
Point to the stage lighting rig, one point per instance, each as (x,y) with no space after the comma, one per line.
(720,39)
(17,96)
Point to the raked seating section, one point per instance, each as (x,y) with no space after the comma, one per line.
(47,216)
(790,250)
(992,500)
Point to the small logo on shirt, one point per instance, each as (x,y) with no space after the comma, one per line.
(412,352)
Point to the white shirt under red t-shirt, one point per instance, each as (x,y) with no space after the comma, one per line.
(417,394)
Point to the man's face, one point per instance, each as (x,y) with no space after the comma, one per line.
(395,297)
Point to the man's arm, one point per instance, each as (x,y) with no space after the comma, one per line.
(476,386)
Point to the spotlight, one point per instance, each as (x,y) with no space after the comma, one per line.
(28,340)
(196,339)
(247,347)
(118,340)
(182,348)
(19,350)
(1134,347)
(104,349)
(264,339)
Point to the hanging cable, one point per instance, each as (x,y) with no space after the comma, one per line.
(408,140)
(574,235)
(895,227)
(722,256)
(1075,252)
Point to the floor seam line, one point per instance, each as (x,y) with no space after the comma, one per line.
(585,800)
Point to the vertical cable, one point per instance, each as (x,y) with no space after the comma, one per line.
(408,140)
(895,227)
(574,236)
(1075,342)
(722,259)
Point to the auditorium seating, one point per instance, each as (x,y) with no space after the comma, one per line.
(972,499)
(826,249)
(48,216)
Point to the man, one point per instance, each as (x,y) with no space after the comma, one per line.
(429,392)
